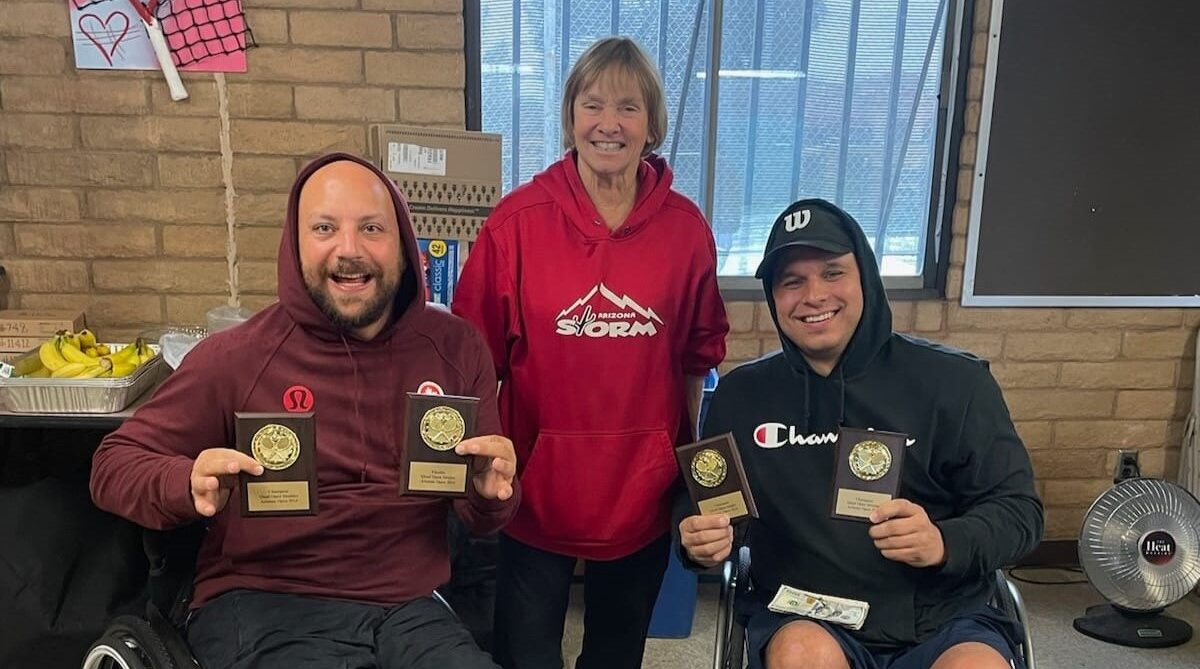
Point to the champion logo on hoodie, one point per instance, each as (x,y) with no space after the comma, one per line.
(774,435)
(614,316)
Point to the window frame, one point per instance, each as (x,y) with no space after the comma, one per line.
(931,283)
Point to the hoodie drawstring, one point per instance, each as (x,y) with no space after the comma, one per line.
(804,374)
(842,402)
(362,439)
(808,397)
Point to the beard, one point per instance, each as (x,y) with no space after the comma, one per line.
(373,306)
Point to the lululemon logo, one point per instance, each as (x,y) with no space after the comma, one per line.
(297,399)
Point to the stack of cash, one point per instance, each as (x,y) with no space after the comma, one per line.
(850,613)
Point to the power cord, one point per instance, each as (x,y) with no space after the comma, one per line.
(1014,575)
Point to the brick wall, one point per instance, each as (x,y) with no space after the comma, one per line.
(113,197)
(1080,383)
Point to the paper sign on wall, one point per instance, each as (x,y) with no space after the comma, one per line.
(203,35)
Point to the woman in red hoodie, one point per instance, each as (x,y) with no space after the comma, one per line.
(595,287)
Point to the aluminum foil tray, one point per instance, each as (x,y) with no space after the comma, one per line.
(43,395)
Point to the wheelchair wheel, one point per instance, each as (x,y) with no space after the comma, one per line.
(110,653)
(129,643)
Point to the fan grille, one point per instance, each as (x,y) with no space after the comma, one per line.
(1140,544)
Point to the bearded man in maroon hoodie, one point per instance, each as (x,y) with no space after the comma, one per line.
(350,334)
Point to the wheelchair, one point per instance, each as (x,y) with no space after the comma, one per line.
(156,641)
(730,649)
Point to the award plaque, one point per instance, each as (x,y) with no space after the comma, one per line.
(434,424)
(285,445)
(866,471)
(715,478)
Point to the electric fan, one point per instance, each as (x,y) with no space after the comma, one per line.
(1140,548)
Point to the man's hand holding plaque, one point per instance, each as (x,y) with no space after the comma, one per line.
(496,465)
(903,532)
(214,474)
(716,480)
(431,463)
(866,472)
(284,445)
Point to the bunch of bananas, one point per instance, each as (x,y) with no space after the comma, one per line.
(77,355)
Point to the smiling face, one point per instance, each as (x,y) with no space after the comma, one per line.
(818,303)
(351,254)
(611,125)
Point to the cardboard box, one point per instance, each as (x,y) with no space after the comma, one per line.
(9,356)
(30,323)
(20,344)
(450,177)
(440,258)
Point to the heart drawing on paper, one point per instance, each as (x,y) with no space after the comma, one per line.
(105,33)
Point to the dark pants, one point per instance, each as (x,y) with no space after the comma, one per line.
(247,629)
(533,588)
(986,625)
(472,587)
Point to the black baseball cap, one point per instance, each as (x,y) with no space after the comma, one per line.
(814,222)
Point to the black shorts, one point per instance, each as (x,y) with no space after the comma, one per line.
(985,625)
(240,629)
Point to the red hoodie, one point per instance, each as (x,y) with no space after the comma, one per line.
(593,333)
(367,543)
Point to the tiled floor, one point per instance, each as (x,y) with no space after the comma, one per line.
(1051,608)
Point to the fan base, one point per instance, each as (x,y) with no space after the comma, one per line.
(1133,628)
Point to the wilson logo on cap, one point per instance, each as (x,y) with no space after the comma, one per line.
(797,220)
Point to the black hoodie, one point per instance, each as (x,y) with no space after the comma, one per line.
(965,465)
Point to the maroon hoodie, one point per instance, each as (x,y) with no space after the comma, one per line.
(367,543)
(593,333)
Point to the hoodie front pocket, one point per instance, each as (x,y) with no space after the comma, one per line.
(597,488)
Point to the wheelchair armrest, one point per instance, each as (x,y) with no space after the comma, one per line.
(1003,598)
(735,572)
(742,565)
(172,559)
(1009,600)
(437,597)
(729,644)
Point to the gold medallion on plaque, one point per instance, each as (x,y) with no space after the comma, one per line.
(870,460)
(275,446)
(709,468)
(442,428)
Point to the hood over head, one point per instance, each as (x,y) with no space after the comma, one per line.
(409,300)
(821,224)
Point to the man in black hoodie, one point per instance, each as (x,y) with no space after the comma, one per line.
(966,502)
